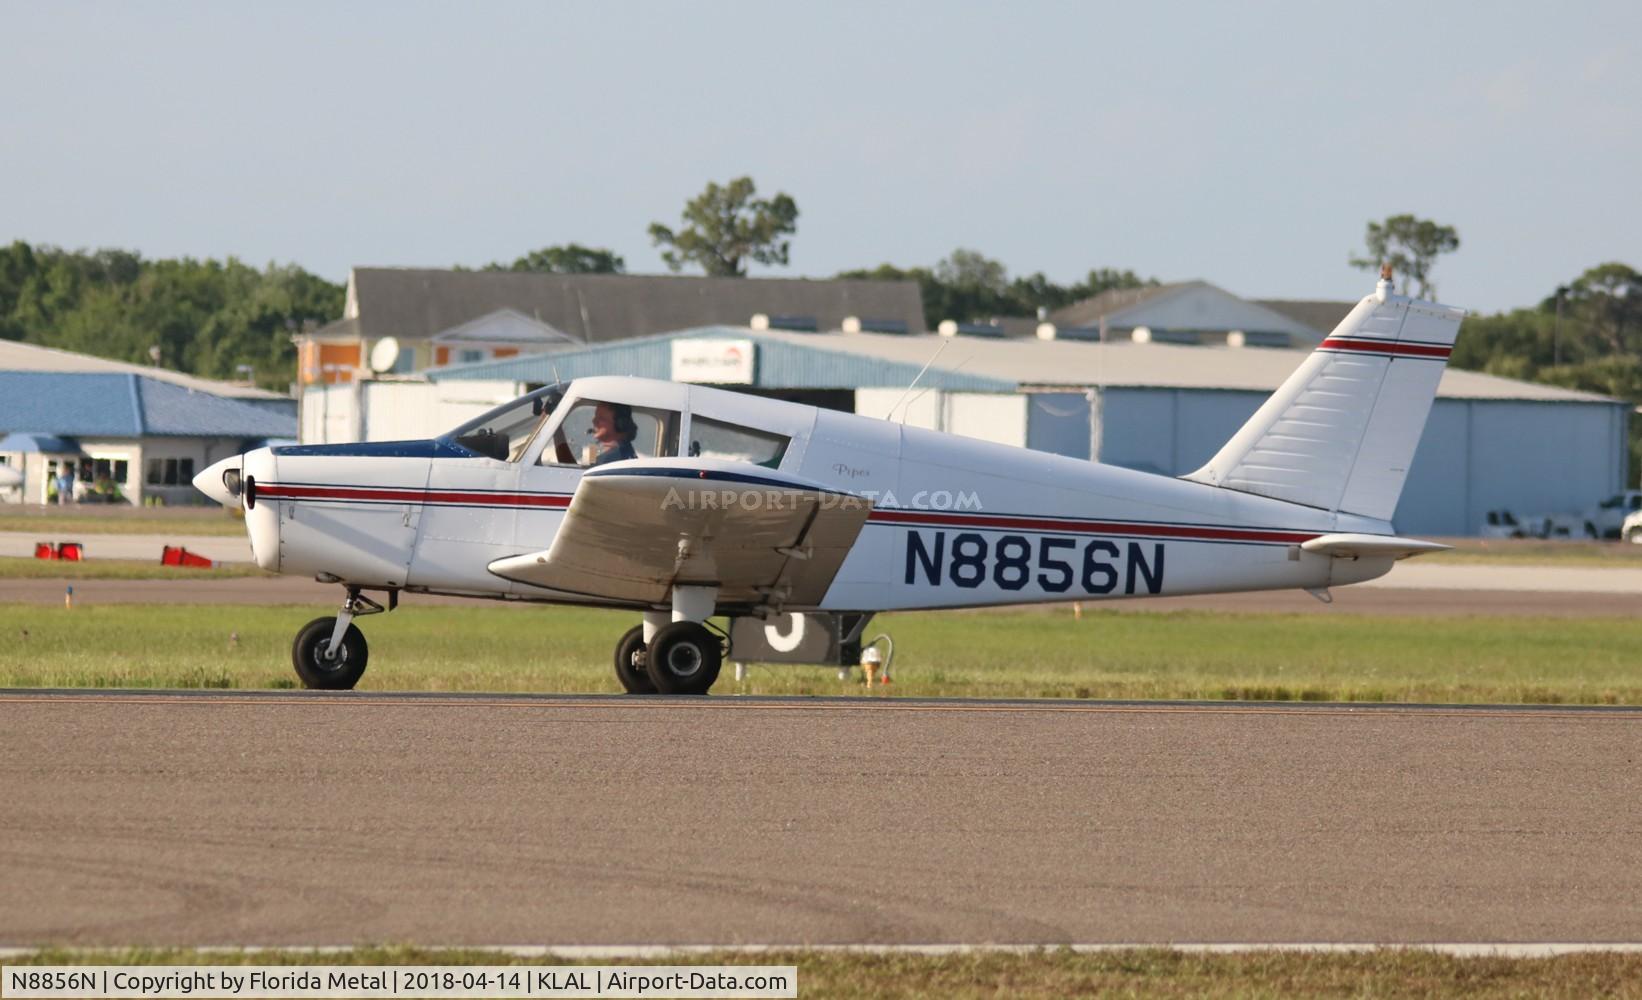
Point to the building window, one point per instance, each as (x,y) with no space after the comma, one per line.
(169,471)
(466,357)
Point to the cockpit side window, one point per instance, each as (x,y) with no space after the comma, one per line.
(503,433)
(717,439)
(597,432)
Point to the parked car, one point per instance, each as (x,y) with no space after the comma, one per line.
(1501,524)
(1631,531)
(1607,519)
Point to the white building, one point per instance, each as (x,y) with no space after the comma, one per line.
(128,431)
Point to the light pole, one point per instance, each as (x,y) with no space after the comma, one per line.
(1556,327)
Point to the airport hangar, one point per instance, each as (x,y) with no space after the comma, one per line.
(145,429)
(1144,404)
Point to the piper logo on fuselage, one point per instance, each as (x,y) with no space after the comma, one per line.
(1055,563)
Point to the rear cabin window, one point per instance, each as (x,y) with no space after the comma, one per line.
(716,439)
(598,433)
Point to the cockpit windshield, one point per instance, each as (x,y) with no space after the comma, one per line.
(504,432)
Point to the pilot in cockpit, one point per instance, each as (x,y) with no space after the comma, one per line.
(613,431)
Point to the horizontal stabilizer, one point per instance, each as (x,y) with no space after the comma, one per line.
(1352,546)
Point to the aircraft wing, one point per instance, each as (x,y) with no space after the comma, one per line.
(636,529)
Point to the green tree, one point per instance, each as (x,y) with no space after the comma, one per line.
(1591,343)
(1411,246)
(571,258)
(1106,279)
(725,227)
(969,286)
(206,317)
(1607,300)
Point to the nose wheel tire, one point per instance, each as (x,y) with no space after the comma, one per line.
(630,660)
(329,673)
(684,658)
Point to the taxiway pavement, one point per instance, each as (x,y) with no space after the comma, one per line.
(217,818)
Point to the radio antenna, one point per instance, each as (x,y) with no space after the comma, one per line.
(925,390)
(945,343)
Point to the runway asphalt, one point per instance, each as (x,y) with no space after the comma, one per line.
(218,818)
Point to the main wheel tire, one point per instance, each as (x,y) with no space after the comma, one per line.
(684,658)
(335,673)
(630,668)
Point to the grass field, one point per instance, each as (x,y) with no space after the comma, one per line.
(1534,552)
(1052,973)
(1180,654)
(25,568)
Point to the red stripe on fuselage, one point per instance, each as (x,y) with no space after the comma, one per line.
(391,494)
(1386,347)
(1003,522)
(916,518)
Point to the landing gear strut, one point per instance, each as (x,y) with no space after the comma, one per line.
(677,656)
(330,653)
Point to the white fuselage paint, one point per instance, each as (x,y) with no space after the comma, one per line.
(957,522)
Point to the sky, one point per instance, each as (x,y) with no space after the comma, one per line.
(1243,144)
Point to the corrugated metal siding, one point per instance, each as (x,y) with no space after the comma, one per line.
(780,365)
(1475,456)
(1529,458)
(1059,423)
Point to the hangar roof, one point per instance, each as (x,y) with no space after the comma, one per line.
(417,303)
(789,360)
(18,356)
(1183,305)
(128,406)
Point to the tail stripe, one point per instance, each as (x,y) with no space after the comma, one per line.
(1358,345)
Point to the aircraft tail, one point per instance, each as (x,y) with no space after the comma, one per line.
(1340,434)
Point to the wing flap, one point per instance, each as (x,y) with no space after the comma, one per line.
(635,530)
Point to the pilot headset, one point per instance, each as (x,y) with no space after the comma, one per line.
(622,417)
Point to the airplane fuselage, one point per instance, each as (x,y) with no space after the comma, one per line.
(956,522)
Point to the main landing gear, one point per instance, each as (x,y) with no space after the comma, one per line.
(677,656)
(330,653)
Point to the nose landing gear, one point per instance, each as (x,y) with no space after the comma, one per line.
(330,653)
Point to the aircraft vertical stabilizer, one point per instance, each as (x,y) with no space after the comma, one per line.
(1340,434)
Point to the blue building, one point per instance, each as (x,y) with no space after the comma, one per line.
(128,437)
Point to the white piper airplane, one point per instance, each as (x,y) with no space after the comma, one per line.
(683,502)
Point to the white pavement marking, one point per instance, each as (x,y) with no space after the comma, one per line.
(1547,949)
(219,548)
(1409,575)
